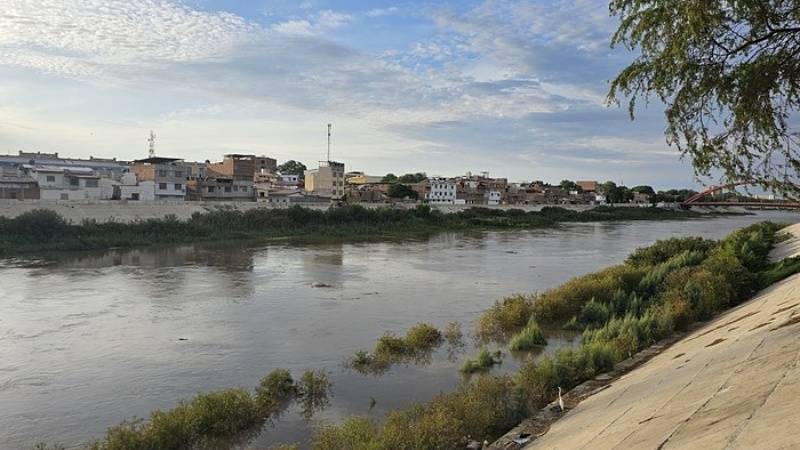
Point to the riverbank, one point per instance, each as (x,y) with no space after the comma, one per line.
(732,383)
(45,230)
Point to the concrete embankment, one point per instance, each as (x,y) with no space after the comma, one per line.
(104,211)
(732,383)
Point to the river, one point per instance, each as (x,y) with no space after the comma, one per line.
(90,339)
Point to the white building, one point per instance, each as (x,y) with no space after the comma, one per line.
(290,178)
(65,183)
(493,198)
(440,191)
(132,189)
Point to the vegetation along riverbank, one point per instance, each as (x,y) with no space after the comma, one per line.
(44,230)
(657,291)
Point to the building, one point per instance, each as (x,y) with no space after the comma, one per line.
(168,174)
(17,185)
(440,191)
(641,198)
(65,183)
(240,167)
(131,189)
(588,186)
(326,181)
(265,164)
(104,167)
(493,197)
(215,187)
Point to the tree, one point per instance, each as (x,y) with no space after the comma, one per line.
(412,178)
(292,167)
(729,74)
(398,190)
(644,189)
(389,178)
(569,186)
(614,193)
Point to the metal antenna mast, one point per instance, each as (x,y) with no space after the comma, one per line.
(329,142)
(152,141)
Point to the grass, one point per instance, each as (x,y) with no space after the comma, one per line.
(504,318)
(417,345)
(529,338)
(483,361)
(44,230)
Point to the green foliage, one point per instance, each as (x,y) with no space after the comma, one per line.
(485,360)
(292,167)
(389,178)
(274,390)
(665,249)
(313,390)
(398,190)
(42,230)
(728,73)
(417,345)
(412,178)
(504,318)
(530,337)
(594,313)
(778,271)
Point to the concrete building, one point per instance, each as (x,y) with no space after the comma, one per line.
(65,183)
(17,185)
(440,191)
(168,174)
(265,164)
(240,167)
(493,197)
(326,181)
(104,167)
(131,189)
(221,187)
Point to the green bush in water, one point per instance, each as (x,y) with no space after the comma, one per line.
(530,337)
(483,361)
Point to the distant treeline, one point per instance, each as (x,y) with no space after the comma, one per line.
(44,230)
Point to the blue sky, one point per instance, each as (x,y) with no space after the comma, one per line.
(513,87)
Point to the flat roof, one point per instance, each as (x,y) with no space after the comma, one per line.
(157,160)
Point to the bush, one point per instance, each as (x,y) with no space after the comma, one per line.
(505,317)
(274,390)
(483,361)
(663,250)
(422,336)
(530,337)
(313,390)
(594,314)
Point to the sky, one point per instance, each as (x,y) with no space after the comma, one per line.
(515,88)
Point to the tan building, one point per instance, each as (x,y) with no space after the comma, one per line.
(588,186)
(240,167)
(168,174)
(326,181)
(17,185)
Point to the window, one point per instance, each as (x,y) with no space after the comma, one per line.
(210,189)
(162,186)
(178,186)
(178,174)
(227,188)
(51,178)
(91,183)
(162,173)
(236,189)
(74,182)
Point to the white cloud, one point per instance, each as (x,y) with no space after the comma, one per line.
(379,12)
(296,27)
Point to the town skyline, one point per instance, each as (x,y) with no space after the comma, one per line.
(516,88)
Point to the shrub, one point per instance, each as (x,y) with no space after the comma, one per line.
(530,337)
(537,383)
(391,345)
(594,314)
(355,433)
(663,250)
(778,271)
(313,390)
(505,317)
(274,389)
(483,361)
(422,336)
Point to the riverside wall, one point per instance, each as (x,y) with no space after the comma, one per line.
(121,211)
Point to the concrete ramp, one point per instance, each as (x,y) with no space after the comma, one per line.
(734,383)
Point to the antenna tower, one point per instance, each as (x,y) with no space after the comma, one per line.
(329,142)
(152,141)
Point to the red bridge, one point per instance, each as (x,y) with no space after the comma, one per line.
(697,199)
